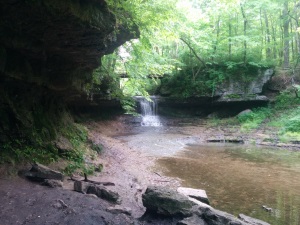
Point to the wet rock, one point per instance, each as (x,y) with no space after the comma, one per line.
(39,172)
(81,186)
(119,209)
(104,193)
(53,183)
(251,220)
(164,201)
(194,193)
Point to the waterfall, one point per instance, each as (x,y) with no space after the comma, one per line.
(149,112)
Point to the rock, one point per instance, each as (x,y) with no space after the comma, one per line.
(63,144)
(193,220)
(235,90)
(104,193)
(91,195)
(251,220)
(268,209)
(199,204)
(40,172)
(119,209)
(164,201)
(216,217)
(53,183)
(60,204)
(81,186)
(244,112)
(194,193)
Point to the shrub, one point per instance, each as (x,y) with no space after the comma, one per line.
(253,119)
(293,124)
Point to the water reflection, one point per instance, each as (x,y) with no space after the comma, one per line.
(241,179)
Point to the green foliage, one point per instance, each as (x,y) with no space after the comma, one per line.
(293,124)
(97,148)
(254,119)
(20,151)
(286,99)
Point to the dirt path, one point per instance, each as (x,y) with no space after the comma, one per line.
(24,202)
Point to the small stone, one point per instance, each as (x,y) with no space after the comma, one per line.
(59,204)
(119,209)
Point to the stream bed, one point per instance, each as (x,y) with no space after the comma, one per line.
(237,178)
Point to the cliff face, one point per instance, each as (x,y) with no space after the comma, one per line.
(48,50)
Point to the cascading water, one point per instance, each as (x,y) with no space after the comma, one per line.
(149,112)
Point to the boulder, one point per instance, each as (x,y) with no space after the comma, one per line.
(104,193)
(167,202)
(194,193)
(244,112)
(63,144)
(39,172)
(251,220)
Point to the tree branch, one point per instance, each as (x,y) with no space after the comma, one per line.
(194,52)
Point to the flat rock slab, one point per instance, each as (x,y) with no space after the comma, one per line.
(197,194)
(40,172)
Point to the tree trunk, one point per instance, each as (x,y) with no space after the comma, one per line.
(217,32)
(229,39)
(245,33)
(268,40)
(286,45)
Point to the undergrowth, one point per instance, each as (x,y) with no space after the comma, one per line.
(282,117)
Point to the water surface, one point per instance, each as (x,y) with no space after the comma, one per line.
(241,179)
(237,178)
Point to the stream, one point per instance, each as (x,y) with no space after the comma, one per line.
(237,178)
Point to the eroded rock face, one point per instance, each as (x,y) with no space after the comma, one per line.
(48,50)
(60,42)
(240,89)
